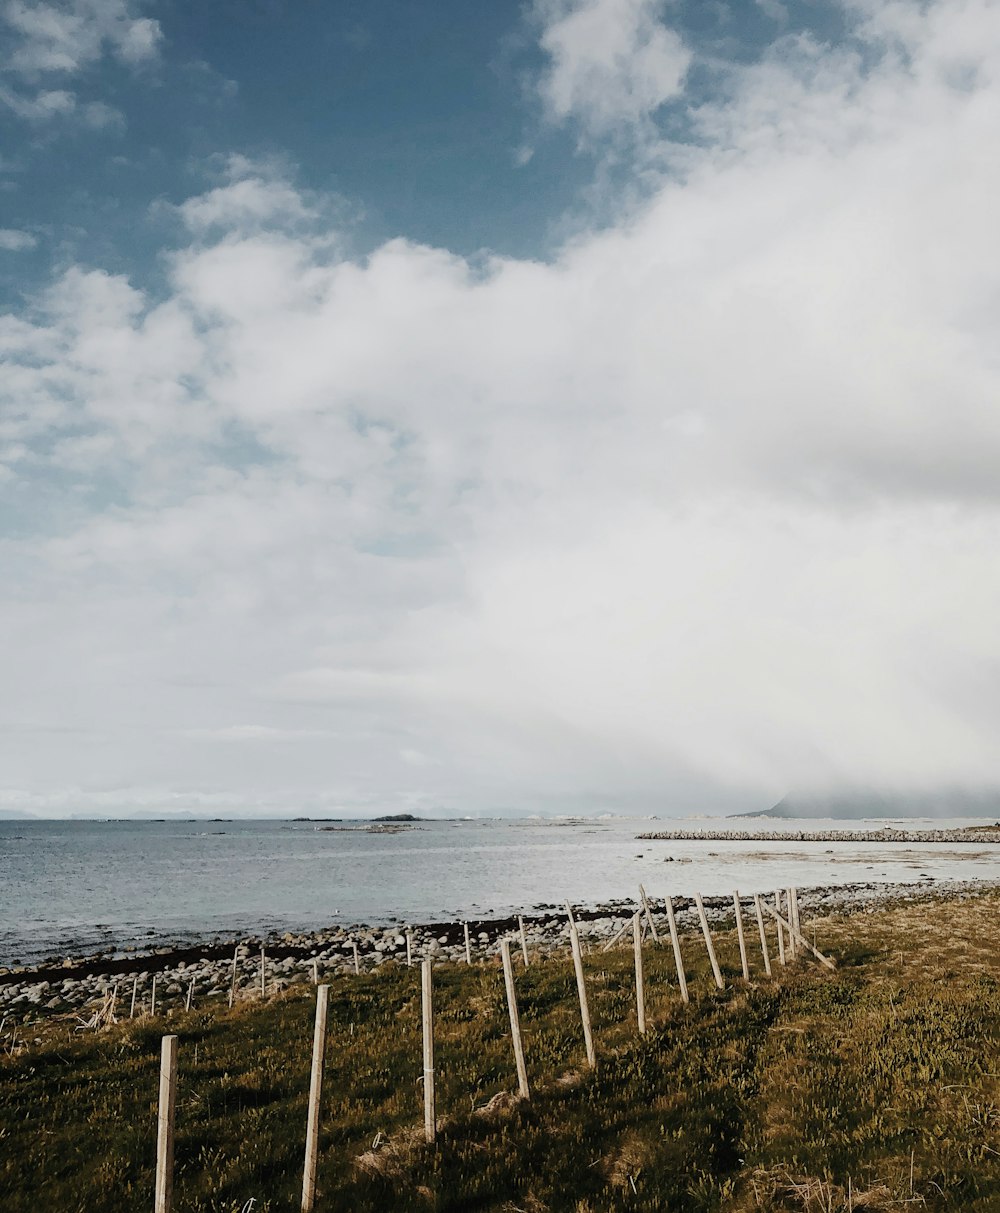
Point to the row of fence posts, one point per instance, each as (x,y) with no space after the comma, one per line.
(641,922)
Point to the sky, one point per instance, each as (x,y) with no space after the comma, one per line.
(558,406)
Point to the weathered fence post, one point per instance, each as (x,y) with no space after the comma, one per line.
(315,967)
(468,945)
(165,1126)
(315,1096)
(135,991)
(427,1018)
(763,933)
(190,995)
(409,948)
(708,942)
(581,987)
(740,936)
(649,914)
(524,940)
(152,998)
(357,961)
(676,942)
(824,960)
(640,987)
(263,974)
(790,914)
(515,1021)
(232,981)
(781,937)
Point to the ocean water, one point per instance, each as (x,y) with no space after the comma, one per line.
(75,887)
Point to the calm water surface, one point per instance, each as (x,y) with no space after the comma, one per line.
(74,887)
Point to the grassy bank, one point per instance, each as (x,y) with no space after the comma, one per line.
(869,1088)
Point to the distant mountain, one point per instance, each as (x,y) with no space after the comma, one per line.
(851,806)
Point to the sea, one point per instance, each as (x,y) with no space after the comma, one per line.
(71,888)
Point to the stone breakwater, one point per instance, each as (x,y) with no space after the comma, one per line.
(75,988)
(887,835)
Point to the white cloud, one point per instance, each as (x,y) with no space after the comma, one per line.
(253,196)
(14,241)
(613,63)
(47,42)
(704,508)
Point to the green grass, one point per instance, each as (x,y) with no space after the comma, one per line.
(875,1087)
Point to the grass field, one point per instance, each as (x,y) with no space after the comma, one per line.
(874,1087)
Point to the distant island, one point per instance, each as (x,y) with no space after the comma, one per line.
(856,805)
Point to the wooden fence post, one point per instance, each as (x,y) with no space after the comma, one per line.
(515,1022)
(640,987)
(524,940)
(676,942)
(781,937)
(190,995)
(165,1126)
(763,933)
(708,942)
(232,980)
(152,998)
(315,1096)
(135,990)
(740,936)
(649,914)
(581,987)
(357,962)
(791,919)
(427,1017)
(468,945)
(409,948)
(824,960)
(315,965)
(263,975)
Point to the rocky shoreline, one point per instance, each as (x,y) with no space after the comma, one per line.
(75,988)
(965,836)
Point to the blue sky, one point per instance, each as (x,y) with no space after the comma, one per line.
(577,404)
(425,119)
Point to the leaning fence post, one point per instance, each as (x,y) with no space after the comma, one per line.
(232,980)
(515,1022)
(152,998)
(708,942)
(781,937)
(468,945)
(135,991)
(581,987)
(315,1095)
(763,933)
(427,1017)
(740,936)
(676,943)
(190,995)
(640,988)
(524,940)
(649,914)
(165,1125)
(791,921)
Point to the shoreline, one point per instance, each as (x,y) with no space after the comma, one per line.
(968,836)
(47,992)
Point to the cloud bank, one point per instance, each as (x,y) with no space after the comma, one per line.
(703,508)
